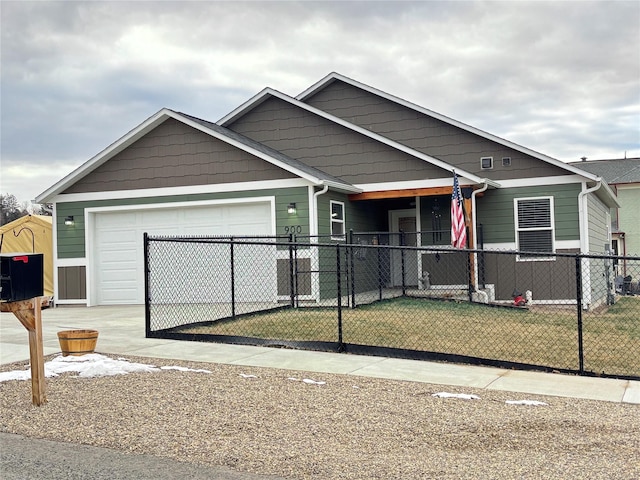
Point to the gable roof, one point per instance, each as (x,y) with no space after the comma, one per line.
(613,171)
(270,155)
(267,93)
(280,159)
(334,76)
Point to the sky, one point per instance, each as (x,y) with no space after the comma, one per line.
(561,78)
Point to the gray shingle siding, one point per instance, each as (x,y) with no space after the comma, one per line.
(328,146)
(174,155)
(426,134)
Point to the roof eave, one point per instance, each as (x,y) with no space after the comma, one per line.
(336,76)
(100,158)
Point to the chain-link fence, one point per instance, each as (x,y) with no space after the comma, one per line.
(376,293)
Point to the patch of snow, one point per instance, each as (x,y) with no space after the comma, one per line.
(307,380)
(463,396)
(89,366)
(313,382)
(244,375)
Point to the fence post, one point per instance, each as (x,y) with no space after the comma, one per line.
(339,285)
(291,272)
(147,299)
(579,312)
(233,281)
(379,273)
(352,283)
(403,242)
(470,275)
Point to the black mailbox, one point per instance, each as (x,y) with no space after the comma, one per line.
(21,276)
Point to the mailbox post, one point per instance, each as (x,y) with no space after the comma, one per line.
(21,289)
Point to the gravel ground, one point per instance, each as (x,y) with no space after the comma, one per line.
(348,428)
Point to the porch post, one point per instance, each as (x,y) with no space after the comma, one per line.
(468,208)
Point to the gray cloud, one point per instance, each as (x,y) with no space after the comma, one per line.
(562,78)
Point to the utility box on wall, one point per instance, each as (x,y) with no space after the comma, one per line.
(21,276)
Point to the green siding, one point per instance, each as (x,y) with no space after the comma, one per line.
(71,238)
(495,211)
(629,198)
(598,224)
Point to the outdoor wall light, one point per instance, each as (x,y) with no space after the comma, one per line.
(69,220)
(291,209)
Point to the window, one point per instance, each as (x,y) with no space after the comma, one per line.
(506,161)
(337,220)
(534,226)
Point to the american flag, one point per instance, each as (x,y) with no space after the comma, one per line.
(458,228)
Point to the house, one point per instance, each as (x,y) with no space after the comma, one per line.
(623,176)
(340,156)
(31,234)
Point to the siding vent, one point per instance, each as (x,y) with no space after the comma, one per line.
(486,163)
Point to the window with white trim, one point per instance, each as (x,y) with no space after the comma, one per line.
(337,220)
(534,226)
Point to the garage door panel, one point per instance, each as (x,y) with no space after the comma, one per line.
(118,260)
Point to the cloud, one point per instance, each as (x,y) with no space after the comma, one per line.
(562,78)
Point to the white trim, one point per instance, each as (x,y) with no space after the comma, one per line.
(74,301)
(552,227)
(511,246)
(264,94)
(90,213)
(72,262)
(342,221)
(541,181)
(174,205)
(176,191)
(336,76)
(313,226)
(56,260)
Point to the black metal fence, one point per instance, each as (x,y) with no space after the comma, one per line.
(376,293)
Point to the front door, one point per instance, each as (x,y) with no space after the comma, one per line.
(403,221)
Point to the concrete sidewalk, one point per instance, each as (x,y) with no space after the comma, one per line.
(122,332)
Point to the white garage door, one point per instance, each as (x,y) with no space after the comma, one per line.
(118,258)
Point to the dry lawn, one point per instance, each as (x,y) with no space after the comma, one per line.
(540,336)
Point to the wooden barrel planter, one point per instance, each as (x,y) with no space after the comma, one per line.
(77,342)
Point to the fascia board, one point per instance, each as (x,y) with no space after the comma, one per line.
(144,128)
(377,137)
(610,198)
(336,76)
(100,158)
(253,102)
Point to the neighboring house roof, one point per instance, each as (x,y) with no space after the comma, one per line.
(614,171)
(295,167)
(269,93)
(332,77)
